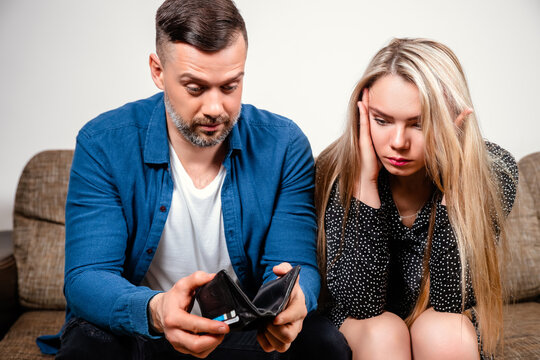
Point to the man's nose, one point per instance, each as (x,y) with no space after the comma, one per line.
(213,104)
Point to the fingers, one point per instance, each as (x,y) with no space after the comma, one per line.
(191,334)
(197,324)
(296,308)
(282,268)
(187,333)
(363,107)
(284,334)
(279,335)
(461,117)
(189,284)
(171,309)
(286,326)
(269,342)
(196,345)
(263,341)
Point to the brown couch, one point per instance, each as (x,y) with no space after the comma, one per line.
(35,306)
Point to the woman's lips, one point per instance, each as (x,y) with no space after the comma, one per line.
(398,161)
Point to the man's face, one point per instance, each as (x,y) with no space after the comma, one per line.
(203,90)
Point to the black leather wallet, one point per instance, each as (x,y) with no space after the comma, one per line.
(223,300)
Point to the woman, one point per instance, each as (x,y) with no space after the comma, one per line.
(406,195)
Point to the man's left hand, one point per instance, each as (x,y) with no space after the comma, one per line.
(279,334)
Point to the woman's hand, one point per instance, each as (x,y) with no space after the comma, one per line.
(366,190)
(459,123)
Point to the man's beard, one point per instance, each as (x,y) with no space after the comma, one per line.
(189,131)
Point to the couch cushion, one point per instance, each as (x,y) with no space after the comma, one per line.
(522,265)
(522,331)
(9,309)
(40,263)
(38,229)
(20,342)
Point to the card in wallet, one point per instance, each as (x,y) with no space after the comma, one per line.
(222,299)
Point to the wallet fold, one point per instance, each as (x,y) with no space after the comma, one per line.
(222,299)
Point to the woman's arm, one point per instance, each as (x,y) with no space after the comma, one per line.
(444,263)
(505,170)
(357,260)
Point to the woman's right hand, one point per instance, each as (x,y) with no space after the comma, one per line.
(370,165)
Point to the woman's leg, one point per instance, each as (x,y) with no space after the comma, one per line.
(381,337)
(439,335)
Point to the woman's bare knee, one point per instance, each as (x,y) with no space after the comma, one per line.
(381,337)
(443,336)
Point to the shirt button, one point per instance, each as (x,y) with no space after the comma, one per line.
(162,208)
(149,251)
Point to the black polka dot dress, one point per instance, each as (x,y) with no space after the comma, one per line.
(379,264)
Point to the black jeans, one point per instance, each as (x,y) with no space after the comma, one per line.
(319,339)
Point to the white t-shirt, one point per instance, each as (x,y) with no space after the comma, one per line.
(193,237)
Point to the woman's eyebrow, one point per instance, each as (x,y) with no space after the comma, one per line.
(381,113)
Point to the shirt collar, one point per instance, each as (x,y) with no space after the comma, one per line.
(235,140)
(156,147)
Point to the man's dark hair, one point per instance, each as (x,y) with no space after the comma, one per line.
(208,25)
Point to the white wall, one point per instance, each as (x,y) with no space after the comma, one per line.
(64,62)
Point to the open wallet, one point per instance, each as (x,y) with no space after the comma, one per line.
(223,300)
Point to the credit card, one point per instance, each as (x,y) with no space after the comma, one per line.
(228,318)
(232,321)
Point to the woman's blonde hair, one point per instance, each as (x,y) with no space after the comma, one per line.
(456,161)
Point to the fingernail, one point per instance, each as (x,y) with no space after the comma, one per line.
(222,329)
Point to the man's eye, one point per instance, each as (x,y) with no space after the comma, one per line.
(229,88)
(195,90)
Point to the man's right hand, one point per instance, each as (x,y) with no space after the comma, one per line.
(188,334)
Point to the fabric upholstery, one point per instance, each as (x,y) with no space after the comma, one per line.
(40,263)
(9,311)
(522,331)
(522,265)
(20,342)
(38,229)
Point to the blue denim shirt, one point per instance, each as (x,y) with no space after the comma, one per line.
(119,195)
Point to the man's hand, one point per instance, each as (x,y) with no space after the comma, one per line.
(188,334)
(283,330)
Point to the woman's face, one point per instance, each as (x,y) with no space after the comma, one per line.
(394,112)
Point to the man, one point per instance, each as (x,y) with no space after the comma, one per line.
(166,191)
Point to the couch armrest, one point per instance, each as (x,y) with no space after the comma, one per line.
(9,302)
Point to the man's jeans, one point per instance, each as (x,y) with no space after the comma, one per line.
(319,339)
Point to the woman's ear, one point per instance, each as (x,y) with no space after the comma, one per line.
(462,117)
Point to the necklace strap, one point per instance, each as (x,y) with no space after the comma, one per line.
(401,217)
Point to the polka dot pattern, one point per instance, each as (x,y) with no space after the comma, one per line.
(375,263)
